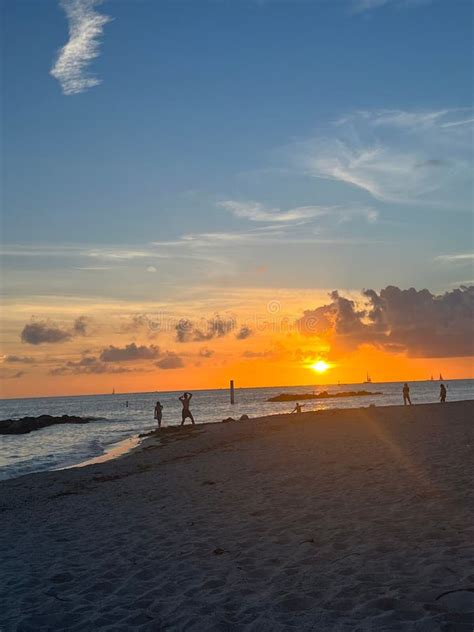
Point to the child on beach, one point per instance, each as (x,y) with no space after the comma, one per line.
(186,413)
(158,413)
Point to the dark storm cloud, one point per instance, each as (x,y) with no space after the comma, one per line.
(15,359)
(170,361)
(243,333)
(217,327)
(88,365)
(418,323)
(140,322)
(80,326)
(129,353)
(41,332)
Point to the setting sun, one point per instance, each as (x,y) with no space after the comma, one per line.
(320,366)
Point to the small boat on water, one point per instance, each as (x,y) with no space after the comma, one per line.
(368,379)
(440,377)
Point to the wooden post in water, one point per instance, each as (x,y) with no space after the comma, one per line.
(232,397)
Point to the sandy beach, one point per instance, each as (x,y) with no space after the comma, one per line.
(343,520)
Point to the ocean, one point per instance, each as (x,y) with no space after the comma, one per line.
(66,445)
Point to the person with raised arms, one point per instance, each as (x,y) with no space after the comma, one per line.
(185,400)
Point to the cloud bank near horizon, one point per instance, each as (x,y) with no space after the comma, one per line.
(414,322)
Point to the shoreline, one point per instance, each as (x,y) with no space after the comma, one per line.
(113,451)
(336,520)
(138,442)
(135,443)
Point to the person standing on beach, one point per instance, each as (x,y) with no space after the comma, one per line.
(158,413)
(406,394)
(442,393)
(185,399)
(297,408)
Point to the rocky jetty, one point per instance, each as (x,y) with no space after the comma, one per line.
(294,397)
(28,424)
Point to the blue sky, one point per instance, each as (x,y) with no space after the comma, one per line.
(213,119)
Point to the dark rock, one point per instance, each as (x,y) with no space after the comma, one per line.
(28,424)
(294,397)
(244,418)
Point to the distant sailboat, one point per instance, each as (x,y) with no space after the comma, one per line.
(368,379)
(113,391)
(431,379)
(440,377)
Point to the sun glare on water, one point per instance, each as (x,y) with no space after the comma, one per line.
(320,366)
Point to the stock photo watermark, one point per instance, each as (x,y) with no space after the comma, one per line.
(272,320)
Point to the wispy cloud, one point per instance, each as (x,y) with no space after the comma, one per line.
(360,6)
(111,255)
(415,121)
(14,376)
(37,250)
(18,359)
(365,5)
(381,152)
(385,174)
(266,237)
(114,254)
(89,365)
(85,28)
(468,121)
(467,257)
(258,212)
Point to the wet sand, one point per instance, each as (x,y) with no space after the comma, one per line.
(347,520)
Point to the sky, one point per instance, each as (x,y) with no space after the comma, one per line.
(197,191)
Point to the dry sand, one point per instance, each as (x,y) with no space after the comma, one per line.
(346,520)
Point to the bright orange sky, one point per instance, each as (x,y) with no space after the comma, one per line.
(271,351)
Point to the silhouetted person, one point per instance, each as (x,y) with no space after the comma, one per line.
(185,399)
(158,413)
(297,408)
(126,404)
(442,393)
(406,394)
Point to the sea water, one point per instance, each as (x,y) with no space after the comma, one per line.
(65,445)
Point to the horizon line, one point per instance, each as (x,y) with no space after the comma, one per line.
(227,388)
